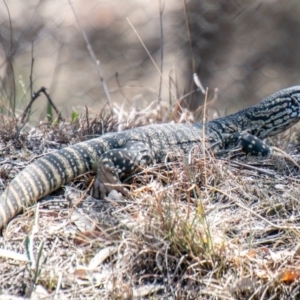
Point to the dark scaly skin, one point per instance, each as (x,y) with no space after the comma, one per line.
(122,152)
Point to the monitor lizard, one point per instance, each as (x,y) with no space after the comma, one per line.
(121,153)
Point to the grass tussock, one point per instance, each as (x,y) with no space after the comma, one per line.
(197,228)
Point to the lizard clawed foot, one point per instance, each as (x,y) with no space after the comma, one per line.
(107,182)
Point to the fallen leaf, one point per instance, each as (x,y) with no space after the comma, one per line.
(289,276)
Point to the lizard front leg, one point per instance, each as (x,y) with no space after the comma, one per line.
(116,163)
(248,143)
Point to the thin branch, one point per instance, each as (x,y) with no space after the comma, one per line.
(154,63)
(161,10)
(187,23)
(34,97)
(92,53)
(120,87)
(9,59)
(30,76)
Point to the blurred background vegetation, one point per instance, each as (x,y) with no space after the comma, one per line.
(247,49)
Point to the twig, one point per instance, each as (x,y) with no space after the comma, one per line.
(189,35)
(9,59)
(256,214)
(120,88)
(92,53)
(161,10)
(249,167)
(285,155)
(150,56)
(30,76)
(203,136)
(187,23)
(34,97)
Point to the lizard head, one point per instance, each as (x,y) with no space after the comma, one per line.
(277,112)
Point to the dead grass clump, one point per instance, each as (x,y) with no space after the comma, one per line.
(197,227)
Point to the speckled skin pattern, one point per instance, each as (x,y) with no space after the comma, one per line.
(119,154)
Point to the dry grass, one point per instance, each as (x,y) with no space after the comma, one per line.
(203,229)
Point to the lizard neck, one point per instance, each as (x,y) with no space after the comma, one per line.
(267,118)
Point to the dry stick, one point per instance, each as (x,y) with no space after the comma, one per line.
(173,82)
(9,59)
(190,39)
(256,214)
(287,156)
(155,65)
(92,53)
(161,10)
(150,56)
(30,88)
(211,102)
(185,95)
(170,87)
(57,69)
(249,167)
(87,118)
(175,79)
(189,35)
(34,97)
(203,135)
(31,71)
(120,88)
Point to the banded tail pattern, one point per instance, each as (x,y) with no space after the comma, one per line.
(47,174)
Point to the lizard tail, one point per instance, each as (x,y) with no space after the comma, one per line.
(47,174)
